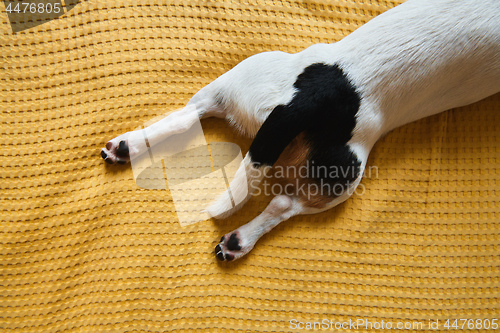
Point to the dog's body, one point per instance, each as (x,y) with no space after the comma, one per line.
(330,103)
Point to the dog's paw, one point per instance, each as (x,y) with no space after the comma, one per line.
(119,149)
(116,153)
(232,246)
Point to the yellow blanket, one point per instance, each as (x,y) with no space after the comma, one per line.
(83,249)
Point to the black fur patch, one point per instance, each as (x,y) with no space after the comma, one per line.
(325,108)
(233,244)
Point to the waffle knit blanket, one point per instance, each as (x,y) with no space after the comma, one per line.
(84,249)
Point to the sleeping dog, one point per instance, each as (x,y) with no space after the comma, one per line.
(328,104)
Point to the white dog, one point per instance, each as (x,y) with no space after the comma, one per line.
(328,105)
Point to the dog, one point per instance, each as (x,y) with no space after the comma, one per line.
(328,104)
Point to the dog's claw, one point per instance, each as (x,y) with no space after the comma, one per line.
(218,253)
(105,157)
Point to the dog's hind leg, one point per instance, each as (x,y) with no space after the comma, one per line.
(203,104)
(242,240)
(299,193)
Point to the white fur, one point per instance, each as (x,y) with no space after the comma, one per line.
(418,59)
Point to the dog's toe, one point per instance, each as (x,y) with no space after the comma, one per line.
(106,158)
(218,253)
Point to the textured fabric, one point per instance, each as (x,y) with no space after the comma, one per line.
(83,249)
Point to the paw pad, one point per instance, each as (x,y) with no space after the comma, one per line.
(229,248)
